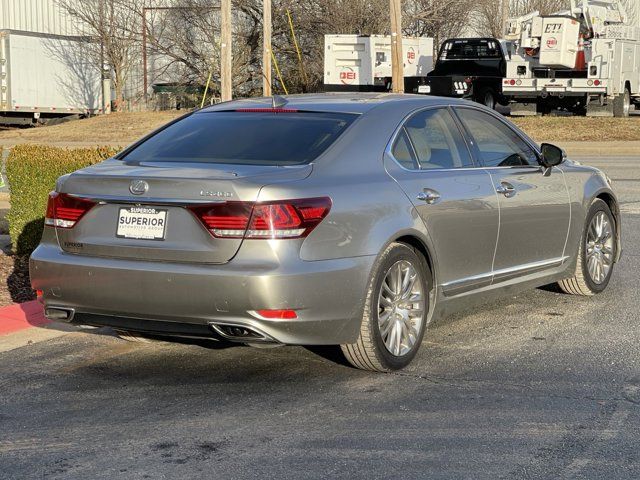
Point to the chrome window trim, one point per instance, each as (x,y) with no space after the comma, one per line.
(471,283)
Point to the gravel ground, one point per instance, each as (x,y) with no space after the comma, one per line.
(14,280)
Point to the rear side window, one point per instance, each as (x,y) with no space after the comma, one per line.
(250,138)
(470,49)
(403,152)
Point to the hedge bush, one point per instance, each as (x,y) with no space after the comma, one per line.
(32,171)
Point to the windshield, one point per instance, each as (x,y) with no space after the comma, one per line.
(250,138)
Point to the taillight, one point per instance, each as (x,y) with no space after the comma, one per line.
(268,220)
(64,211)
(226,220)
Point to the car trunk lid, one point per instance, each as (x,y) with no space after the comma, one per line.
(166,191)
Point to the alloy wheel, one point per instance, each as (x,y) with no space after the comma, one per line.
(599,248)
(401,308)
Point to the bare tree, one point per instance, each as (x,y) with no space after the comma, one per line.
(184,44)
(488,18)
(545,7)
(315,18)
(312,20)
(437,19)
(183,36)
(114,26)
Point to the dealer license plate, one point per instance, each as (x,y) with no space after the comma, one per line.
(142,223)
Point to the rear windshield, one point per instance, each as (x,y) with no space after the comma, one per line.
(250,138)
(468,49)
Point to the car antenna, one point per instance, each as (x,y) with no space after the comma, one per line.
(278,102)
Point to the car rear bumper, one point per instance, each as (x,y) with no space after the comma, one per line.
(172,298)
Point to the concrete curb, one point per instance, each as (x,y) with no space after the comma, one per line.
(17,317)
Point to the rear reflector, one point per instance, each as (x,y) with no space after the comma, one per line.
(64,211)
(269,220)
(278,314)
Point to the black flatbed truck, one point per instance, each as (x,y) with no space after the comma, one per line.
(472,68)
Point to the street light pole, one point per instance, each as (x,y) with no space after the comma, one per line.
(226,59)
(397,58)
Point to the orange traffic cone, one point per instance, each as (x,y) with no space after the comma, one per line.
(581,62)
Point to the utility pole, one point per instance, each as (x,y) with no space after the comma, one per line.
(266,48)
(397,57)
(506,13)
(105,73)
(226,60)
(145,72)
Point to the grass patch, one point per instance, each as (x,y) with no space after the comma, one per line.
(580,129)
(116,128)
(125,128)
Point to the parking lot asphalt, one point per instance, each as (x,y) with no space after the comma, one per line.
(536,386)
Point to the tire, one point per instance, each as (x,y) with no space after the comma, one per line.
(488,98)
(622,104)
(583,282)
(370,352)
(542,107)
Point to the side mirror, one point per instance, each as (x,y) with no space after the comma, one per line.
(552,156)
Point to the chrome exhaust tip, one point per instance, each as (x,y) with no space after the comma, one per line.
(59,314)
(235,332)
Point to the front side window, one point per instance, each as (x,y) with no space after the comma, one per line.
(435,140)
(497,144)
(247,138)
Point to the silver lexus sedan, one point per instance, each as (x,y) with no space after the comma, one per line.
(338,219)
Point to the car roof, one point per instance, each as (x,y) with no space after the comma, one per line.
(358,103)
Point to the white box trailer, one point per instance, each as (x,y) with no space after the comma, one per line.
(46,76)
(363,63)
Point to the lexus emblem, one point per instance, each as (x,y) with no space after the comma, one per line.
(139,187)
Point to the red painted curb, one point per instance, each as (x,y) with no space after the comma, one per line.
(21,316)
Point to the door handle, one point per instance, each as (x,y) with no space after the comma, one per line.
(506,189)
(429,196)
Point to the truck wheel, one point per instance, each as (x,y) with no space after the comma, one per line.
(622,104)
(543,107)
(488,99)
